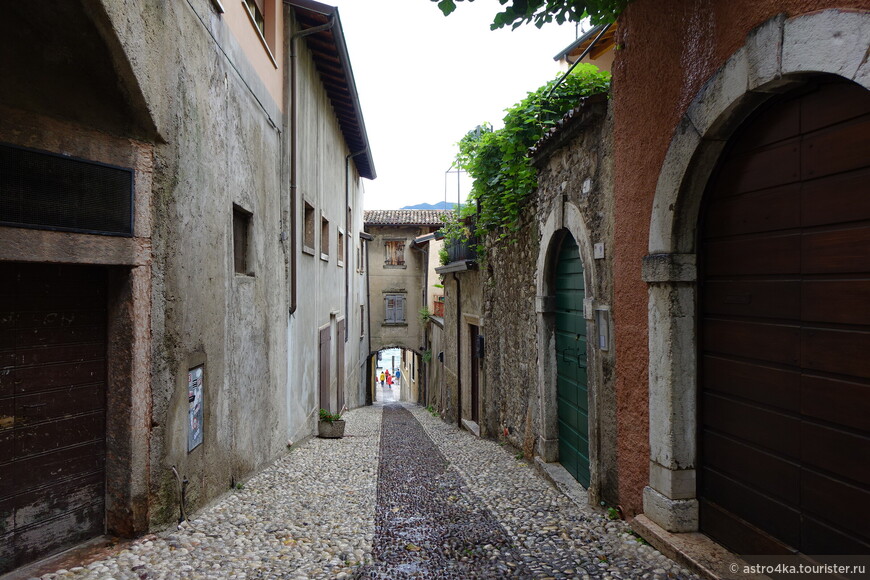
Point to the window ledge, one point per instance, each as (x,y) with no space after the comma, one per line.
(324,257)
(395,266)
(394,324)
(308,250)
(260,35)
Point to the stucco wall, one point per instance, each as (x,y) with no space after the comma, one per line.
(321,280)
(463,305)
(667,53)
(220,146)
(385,279)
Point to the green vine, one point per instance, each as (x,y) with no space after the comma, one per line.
(540,12)
(496,159)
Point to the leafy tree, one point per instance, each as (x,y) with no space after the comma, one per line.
(504,177)
(519,12)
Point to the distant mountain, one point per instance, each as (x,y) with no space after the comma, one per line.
(439,205)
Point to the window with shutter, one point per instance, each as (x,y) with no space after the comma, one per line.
(394,253)
(394,309)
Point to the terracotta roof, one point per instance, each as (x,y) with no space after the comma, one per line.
(405,217)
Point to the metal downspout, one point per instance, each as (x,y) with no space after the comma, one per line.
(458,350)
(576,62)
(294,150)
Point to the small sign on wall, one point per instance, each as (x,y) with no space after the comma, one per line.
(194,398)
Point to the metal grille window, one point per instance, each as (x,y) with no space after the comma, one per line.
(394,308)
(48,191)
(394,253)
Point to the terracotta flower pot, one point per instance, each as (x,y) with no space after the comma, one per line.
(333,430)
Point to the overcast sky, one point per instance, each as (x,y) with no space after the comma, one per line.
(425,80)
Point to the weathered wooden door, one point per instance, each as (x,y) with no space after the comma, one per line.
(785,326)
(572,393)
(325,370)
(52,408)
(474,333)
(339,363)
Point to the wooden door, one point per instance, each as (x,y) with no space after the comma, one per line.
(785,327)
(52,409)
(572,393)
(474,333)
(325,371)
(339,363)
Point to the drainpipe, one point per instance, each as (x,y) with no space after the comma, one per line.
(349,240)
(294,153)
(458,350)
(576,62)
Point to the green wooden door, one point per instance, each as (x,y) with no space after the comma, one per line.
(572,393)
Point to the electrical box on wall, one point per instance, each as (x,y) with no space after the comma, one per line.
(602,324)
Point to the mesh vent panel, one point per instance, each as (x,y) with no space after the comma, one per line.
(47,191)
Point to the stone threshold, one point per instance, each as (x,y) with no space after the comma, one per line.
(471,426)
(559,477)
(694,550)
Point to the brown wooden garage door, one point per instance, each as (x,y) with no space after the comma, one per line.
(52,408)
(785,315)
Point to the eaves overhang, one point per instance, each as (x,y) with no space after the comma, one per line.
(329,51)
(460,266)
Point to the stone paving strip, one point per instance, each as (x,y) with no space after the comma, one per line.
(310,515)
(427,523)
(403,495)
(556,538)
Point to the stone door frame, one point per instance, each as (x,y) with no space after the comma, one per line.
(773,60)
(565,217)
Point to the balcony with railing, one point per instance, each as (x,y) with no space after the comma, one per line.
(462,255)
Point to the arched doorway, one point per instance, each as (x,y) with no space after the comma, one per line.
(784,328)
(571,362)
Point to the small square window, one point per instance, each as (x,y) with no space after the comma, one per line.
(339,252)
(241,240)
(324,238)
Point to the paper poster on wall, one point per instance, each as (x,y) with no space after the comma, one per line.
(194,397)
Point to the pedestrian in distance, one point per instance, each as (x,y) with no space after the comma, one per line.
(383,378)
(389,380)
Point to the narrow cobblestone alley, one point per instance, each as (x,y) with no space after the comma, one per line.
(402,495)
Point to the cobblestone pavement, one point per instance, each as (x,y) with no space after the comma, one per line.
(406,497)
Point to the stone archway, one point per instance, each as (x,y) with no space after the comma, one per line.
(564,219)
(773,60)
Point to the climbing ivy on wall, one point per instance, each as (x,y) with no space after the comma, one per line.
(496,159)
(540,12)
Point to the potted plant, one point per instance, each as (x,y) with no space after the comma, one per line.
(330,425)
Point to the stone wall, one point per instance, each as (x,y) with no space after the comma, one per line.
(511,357)
(575,192)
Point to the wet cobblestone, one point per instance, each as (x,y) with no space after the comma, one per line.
(409,497)
(427,523)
